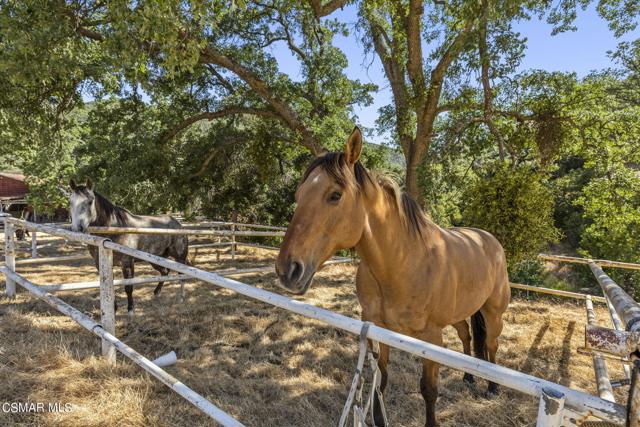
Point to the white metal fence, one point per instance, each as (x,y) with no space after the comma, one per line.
(559,405)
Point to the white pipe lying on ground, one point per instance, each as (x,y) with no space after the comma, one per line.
(166,360)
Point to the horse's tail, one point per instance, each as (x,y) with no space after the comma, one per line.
(479,331)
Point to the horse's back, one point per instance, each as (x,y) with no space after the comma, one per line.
(480,261)
(175,246)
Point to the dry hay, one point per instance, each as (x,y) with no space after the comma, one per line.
(263,365)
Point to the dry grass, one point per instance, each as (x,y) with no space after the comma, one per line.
(263,365)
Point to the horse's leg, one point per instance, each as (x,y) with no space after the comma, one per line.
(491,313)
(462,328)
(429,380)
(128,273)
(383,360)
(163,272)
(493,323)
(179,250)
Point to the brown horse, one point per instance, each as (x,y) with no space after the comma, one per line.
(414,277)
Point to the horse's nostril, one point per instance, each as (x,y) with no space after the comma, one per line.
(296,269)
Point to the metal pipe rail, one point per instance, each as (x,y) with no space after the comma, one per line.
(601,262)
(603,383)
(238,224)
(55,231)
(626,307)
(556,292)
(89,324)
(617,325)
(582,402)
(182,232)
(137,281)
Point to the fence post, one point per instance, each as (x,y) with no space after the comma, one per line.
(107,300)
(9,255)
(34,239)
(550,408)
(633,404)
(233,241)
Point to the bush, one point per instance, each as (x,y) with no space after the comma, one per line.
(528,272)
(513,205)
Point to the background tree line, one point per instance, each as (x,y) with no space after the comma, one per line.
(180,105)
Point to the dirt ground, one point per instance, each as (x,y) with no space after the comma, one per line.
(264,366)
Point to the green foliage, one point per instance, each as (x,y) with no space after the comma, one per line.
(528,272)
(513,205)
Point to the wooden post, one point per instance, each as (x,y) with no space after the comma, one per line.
(9,256)
(550,408)
(34,245)
(233,241)
(107,300)
(34,239)
(633,404)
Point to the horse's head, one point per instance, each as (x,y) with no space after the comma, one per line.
(82,205)
(330,215)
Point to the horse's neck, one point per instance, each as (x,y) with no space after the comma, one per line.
(113,219)
(388,244)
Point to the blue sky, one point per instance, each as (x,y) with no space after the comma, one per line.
(581,52)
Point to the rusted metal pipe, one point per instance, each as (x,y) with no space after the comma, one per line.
(605,391)
(611,341)
(625,306)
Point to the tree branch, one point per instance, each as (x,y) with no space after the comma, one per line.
(321,10)
(210,156)
(289,39)
(78,28)
(483,51)
(170,133)
(413,25)
(210,55)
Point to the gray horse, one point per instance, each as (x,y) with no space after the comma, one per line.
(90,208)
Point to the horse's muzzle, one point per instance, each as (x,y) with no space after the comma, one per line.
(295,275)
(79,228)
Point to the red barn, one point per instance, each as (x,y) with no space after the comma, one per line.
(13,190)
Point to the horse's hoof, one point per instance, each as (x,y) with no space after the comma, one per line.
(468,378)
(492,391)
(130,315)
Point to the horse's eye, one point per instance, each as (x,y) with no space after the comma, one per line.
(335,196)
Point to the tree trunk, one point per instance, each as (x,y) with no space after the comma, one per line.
(411,179)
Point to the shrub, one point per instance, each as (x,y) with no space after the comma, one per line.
(513,205)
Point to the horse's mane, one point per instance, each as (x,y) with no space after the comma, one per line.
(106,210)
(336,166)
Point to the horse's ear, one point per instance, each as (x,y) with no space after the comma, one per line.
(72,184)
(354,146)
(89,184)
